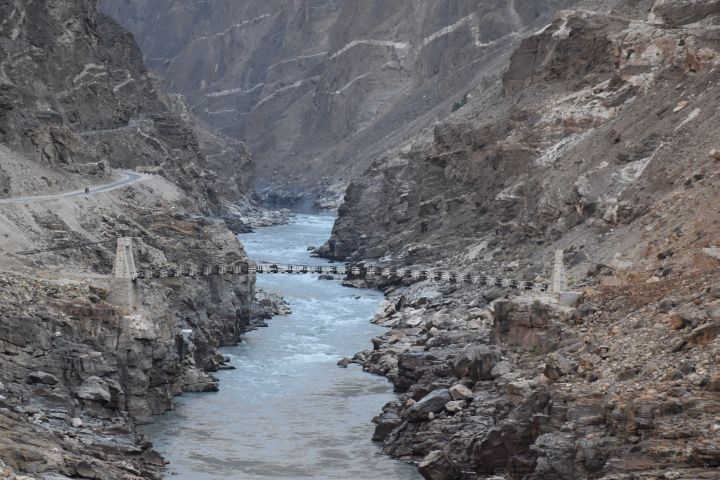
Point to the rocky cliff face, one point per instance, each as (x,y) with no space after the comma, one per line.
(598,120)
(74,89)
(623,386)
(85,357)
(318,88)
(599,139)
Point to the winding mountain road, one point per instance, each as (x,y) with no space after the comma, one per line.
(129,177)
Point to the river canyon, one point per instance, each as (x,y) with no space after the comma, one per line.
(287,410)
(520,201)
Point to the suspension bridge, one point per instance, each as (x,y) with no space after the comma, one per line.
(126,268)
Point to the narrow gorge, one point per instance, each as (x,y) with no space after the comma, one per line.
(369,239)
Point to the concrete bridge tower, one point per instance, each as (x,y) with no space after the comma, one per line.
(559,277)
(124,290)
(125,259)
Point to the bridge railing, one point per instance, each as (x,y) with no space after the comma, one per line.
(249,268)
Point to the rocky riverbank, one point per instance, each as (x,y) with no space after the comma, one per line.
(79,373)
(622,383)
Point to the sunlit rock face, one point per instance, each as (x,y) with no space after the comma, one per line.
(319,87)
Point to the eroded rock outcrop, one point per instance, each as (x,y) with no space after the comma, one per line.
(614,398)
(75,94)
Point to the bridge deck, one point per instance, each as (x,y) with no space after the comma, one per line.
(352,271)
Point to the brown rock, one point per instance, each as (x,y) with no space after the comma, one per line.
(676,322)
(714,383)
(589,361)
(557,366)
(704,334)
(680,106)
(436,466)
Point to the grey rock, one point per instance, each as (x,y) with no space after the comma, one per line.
(477,362)
(714,291)
(501,368)
(667,304)
(86,470)
(94,389)
(385,424)
(713,310)
(44,378)
(586,309)
(433,402)
(437,466)
(557,366)
(555,456)
(571,299)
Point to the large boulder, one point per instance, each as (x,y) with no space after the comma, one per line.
(433,402)
(44,378)
(557,366)
(94,389)
(412,366)
(477,362)
(385,424)
(501,368)
(437,466)
(556,454)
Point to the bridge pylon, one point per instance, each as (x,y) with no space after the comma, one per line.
(559,277)
(123,292)
(125,259)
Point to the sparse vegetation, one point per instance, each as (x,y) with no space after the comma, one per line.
(537,308)
(460,103)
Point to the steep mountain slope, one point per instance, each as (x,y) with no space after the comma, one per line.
(85,357)
(600,139)
(597,119)
(91,98)
(317,88)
